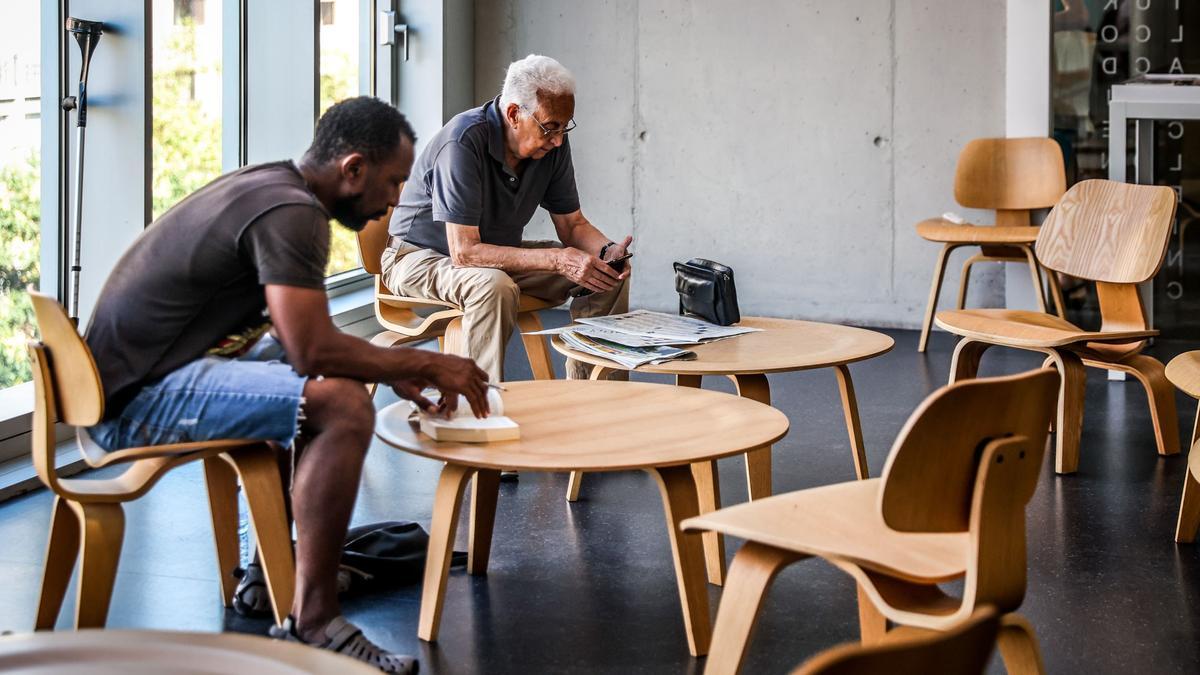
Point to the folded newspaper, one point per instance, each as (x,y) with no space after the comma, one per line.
(641,337)
(628,357)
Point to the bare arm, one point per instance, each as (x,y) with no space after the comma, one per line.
(316,347)
(578,261)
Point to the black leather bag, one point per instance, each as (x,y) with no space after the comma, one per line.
(706,291)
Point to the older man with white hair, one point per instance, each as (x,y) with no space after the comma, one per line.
(456,234)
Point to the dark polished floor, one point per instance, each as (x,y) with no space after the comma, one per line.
(590,588)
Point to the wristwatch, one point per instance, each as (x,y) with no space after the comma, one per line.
(604,248)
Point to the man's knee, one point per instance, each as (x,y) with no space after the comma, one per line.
(492,288)
(339,403)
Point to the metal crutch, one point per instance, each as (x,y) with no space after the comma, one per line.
(87,34)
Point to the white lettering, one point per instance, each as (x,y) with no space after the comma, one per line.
(1142,33)
(1176,66)
(1112,4)
(1109,64)
(1109,33)
(1141,65)
(1172,126)
(1174,290)
(1180,38)
(1178,162)
(1175,259)
(1143,5)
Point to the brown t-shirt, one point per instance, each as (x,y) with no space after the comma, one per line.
(195,277)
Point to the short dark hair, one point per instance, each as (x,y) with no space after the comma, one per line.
(361,124)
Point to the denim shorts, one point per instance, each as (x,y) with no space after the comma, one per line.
(256,396)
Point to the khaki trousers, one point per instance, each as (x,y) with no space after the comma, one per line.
(489,298)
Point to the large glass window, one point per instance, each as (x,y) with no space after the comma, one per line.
(1099,43)
(339,80)
(20,205)
(186,151)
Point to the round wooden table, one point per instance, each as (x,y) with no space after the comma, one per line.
(569,425)
(120,652)
(783,345)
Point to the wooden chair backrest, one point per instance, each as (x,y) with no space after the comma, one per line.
(929,478)
(963,650)
(66,384)
(1010,174)
(1108,232)
(372,239)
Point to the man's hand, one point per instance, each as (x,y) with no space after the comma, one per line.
(617,250)
(587,270)
(454,375)
(411,389)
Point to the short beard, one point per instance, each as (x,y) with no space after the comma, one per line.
(345,213)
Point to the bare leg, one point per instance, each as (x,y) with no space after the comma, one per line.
(339,421)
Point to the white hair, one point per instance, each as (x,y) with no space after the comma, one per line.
(535,74)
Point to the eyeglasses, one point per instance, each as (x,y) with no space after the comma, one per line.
(550,133)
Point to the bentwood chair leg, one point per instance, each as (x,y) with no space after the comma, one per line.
(536,348)
(965,363)
(61,553)
(447,502)
(754,568)
(939,273)
(708,489)
(102,534)
(758,462)
(1036,277)
(1161,395)
(453,341)
(1069,422)
(680,502)
(872,624)
(1189,505)
(223,505)
(259,471)
(853,426)
(576,480)
(1019,646)
(964,279)
(485,491)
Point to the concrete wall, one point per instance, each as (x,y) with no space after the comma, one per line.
(798,141)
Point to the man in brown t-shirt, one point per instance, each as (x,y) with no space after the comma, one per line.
(215,324)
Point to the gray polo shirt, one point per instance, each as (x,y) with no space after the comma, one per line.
(461,177)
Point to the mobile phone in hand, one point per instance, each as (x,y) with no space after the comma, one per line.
(617,264)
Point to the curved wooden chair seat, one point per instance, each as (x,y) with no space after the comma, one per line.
(1184,372)
(1023,328)
(97,457)
(946,232)
(87,521)
(1011,176)
(852,530)
(962,650)
(950,505)
(1115,235)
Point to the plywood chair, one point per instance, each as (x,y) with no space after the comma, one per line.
(1184,372)
(950,506)
(1011,176)
(87,521)
(962,650)
(407,319)
(1116,235)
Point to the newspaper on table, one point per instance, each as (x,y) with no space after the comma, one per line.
(657,325)
(627,357)
(626,339)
